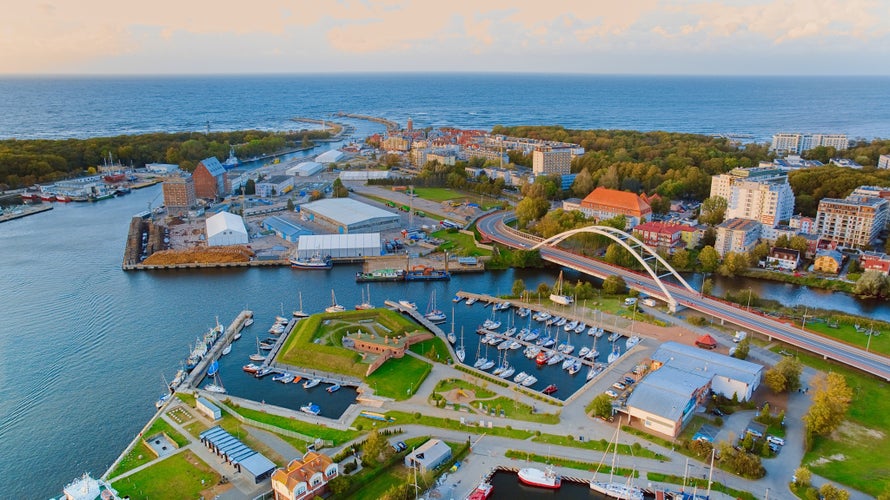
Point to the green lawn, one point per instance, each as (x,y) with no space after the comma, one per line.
(846,332)
(519,411)
(183,475)
(438,194)
(457,243)
(600,445)
(161,425)
(572,464)
(399,378)
(402,418)
(433,349)
(862,441)
(453,383)
(139,455)
(292,424)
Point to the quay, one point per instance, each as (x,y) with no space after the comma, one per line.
(25,211)
(195,376)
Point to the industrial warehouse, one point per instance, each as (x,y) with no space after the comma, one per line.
(349,216)
(339,246)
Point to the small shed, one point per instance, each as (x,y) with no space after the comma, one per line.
(430,455)
(207,408)
(706,342)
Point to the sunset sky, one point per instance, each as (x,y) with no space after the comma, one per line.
(762,37)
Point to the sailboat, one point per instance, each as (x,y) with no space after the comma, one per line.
(557,296)
(479,360)
(334,307)
(299,313)
(615,354)
(216,386)
(433,314)
(461,353)
(620,491)
(258,356)
(366,302)
(450,336)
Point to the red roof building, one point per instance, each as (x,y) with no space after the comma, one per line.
(875,261)
(304,478)
(603,203)
(706,342)
(661,235)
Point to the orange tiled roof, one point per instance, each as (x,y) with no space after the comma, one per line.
(622,200)
(301,470)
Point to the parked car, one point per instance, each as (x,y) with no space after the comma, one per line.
(399,446)
(611,393)
(718,412)
(776,440)
(619,386)
(629,380)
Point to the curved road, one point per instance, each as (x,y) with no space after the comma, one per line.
(492,226)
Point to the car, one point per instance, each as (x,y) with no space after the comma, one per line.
(754,433)
(776,440)
(774,447)
(629,380)
(611,393)
(619,386)
(399,446)
(718,412)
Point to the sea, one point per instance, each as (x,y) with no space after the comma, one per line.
(84,345)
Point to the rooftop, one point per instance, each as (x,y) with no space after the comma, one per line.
(667,391)
(612,198)
(707,363)
(739,225)
(213,166)
(346,210)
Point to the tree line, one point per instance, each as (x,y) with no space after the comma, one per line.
(27,162)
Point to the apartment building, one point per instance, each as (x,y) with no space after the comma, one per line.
(179,194)
(546,161)
(855,221)
(799,143)
(761,193)
(884,161)
(737,235)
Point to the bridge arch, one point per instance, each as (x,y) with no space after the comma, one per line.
(622,238)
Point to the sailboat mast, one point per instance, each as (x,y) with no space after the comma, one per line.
(711,472)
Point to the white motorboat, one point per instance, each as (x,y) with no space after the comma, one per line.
(471,301)
(312,382)
(529,381)
(632,341)
(520,377)
(227,349)
(540,478)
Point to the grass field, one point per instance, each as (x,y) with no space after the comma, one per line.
(572,464)
(453,383)
(183,475)
(519,411)
(855,455)
(399,378)
(300,348)
(438,194)
(460,244)
(402,418)
(291,424)
(846,332)
(141,453)
(433,349)
(601,445)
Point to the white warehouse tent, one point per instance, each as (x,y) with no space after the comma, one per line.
(226,228)
(339,245)
(329,156)
(363,175)
(305,169)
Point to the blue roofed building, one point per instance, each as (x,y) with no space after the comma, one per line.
(285,229)
(210,179)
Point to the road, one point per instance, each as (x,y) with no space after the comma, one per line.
(493,227)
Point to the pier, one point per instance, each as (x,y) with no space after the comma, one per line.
(195,376)
(24,212)
(390,125)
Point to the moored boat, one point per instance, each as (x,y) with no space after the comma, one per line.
(550,389)
(250,368)
(380,275)
(334,388)
(312,382)
(482,492)
(63,198)
(311,408)
(540,478)
(315,262)
(334,307)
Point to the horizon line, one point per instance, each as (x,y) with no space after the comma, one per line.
(438,73)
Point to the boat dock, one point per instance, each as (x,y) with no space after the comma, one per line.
(215,352)
(24,211)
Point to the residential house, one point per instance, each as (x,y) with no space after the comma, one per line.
(875,261)
(828,261)
(305,477)
(783,258)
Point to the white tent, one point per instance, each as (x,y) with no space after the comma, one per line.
(226,228)
(329,156)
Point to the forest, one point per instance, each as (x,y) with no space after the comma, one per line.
(27,162)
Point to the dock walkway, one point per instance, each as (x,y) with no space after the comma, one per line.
(215,352)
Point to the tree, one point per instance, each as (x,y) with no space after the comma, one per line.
(707,286)
(799,243)
(784,376)
(708,238)
(614,284)
(339,190)
(743,348)
(832,492)
(339,484)
(531,209)
(733,263)
(518,288)
(290,205)
(759,252)
(602,406)
(872,284)
(831,399)
(373,447)
(709,259)
(783,241)
(713,210)
(250,187)
(583,184)
(802,477)
(660,204)
(680,259)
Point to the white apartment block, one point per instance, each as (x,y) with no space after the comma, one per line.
(854,222)
(736,235)
(798,143)
(884,161)
(547,161)
(761,194)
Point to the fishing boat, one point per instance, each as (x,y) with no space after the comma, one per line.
(334,307)
(542,357)
(310,408)
(433,314)
(460,352)
(315,262)
(334,388)
(312,382)
(612,488)
(550,389)
(299,312)
(482,492)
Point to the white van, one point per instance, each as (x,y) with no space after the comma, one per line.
(630,301)
(776,440)
(739,336)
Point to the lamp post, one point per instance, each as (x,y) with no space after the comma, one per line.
(748,307)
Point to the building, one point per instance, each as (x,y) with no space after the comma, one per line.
(179,194)
(665,400)
(828,261)
(364,175)
(225,228)
(603,203)
(872,192)
(664,236)
(844,162)
(382,348)
(209,409)
(442,157)
(87,488)
(275,185)
(235,453)
(210,179)
(350,216)
(570,204)
(305,477)
(875,261)
(305,169)
(806,225)
(855,221)
(783,258)
(493,155)
(791,162)
(799,143)
(428,456)
(332,156)
(547,161)
(761,194)
(285,229)
(884,161)
(344,246)
(737,235)
(728,375)
(162,168)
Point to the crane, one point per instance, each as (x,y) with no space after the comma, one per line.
(150,213)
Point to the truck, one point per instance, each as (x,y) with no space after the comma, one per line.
(739,336)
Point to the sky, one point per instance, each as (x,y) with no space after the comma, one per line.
(728,37)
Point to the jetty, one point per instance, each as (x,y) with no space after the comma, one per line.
(391,126)
(24,211)
(195,376)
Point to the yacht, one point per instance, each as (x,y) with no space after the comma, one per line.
(311,408)
(334,307)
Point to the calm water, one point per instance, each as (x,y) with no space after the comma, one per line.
(761,106)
